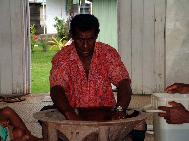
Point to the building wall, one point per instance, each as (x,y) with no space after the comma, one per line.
(177,41)
(141,28)
(153,63)
(42,16)
(106,12)
(54,8)
(14,48)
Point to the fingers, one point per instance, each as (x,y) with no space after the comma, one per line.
(173,115)
(169,121)
(165,114)
(164,108)
(175,88)
(171,89)
(175,104)
(171,86)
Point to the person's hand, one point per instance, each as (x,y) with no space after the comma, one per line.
(24,138)
(177,114)
(70,115)
(4,122)
(20,134)
(118,115)
(177,88)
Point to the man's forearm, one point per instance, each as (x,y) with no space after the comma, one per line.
(59,98)
(124,93)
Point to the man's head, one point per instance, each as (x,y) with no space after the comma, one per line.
(84,31)
(84,22)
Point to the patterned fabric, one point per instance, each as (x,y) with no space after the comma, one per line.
(95,91)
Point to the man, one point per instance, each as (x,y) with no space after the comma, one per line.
(82,73)
(177,114)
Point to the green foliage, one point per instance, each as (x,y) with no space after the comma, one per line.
(33,36)
(69,5)
(41,65)
(61,28)
(56,43)
(43,42)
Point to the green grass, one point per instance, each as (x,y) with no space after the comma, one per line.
(41,65)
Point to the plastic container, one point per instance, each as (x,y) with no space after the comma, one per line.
(169,132)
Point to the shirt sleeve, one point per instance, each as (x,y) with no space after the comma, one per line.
(117,70)
(58,74)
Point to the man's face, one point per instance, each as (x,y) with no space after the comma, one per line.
(85,42)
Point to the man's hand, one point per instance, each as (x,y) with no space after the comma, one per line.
(178,88)
(60,100)
(4,122)
(177,114)
(71,116)
(118,115)
(124,93)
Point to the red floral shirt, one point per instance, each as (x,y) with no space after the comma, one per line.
(95,91)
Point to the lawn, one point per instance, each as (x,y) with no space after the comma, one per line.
(41,65)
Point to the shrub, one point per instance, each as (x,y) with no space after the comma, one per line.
(43,42)
(33,36)
(56,43)
(61,28)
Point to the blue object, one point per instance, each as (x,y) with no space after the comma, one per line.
(3,133)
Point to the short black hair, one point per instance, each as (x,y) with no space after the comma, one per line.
(84,22)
